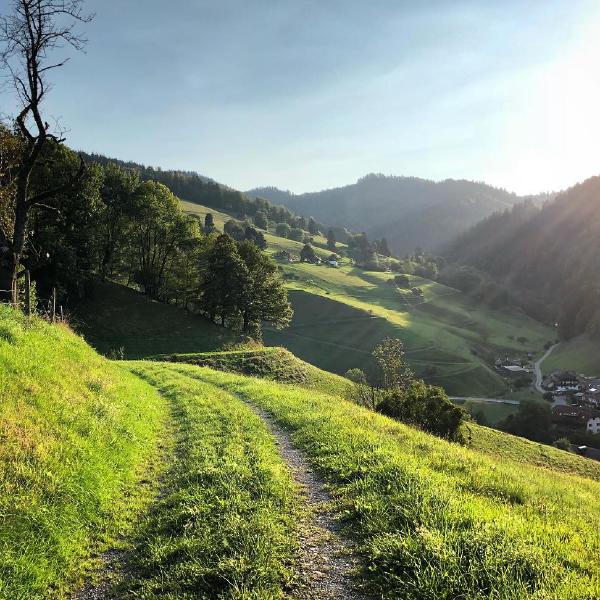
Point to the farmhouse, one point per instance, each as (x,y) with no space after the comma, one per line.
(563,381)
(593,425)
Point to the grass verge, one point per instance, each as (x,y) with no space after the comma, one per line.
(77,434)
(224,526)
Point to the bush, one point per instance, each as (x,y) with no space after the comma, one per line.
(563,444)
(402,281)
(424,406)
(356,375)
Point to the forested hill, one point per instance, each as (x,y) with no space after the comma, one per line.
(197,188)
(549,256)
(407,211)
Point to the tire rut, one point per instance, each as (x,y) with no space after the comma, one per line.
(325,562)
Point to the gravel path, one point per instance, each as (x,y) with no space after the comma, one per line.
(538,369)
(325,562)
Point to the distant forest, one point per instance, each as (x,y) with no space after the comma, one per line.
(547,256)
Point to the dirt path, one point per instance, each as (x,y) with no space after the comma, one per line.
(325,561)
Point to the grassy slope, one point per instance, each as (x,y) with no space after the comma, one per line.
(269,362)
(119,317)
(581,354)
(436,520)
(224,526)
(335,326)
(76,433)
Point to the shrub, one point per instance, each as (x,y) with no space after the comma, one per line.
(425,406)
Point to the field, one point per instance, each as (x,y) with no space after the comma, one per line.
(581,354)
(341,314)
(268,362)
(432,519)
(120,321)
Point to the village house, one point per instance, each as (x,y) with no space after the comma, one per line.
(574,416)
(593,425)
(562,382)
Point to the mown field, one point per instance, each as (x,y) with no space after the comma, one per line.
(433,519)
(581,354)
(341,314)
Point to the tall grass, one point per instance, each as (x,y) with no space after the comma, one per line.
(433,519)
(224,526)
(76,434)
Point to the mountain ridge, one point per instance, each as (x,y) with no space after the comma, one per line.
(442,209)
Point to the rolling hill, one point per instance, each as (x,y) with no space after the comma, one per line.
(409,212)
(341,314)
(173,480)
(548,257)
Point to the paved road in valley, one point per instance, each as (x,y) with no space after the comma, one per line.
(538,369)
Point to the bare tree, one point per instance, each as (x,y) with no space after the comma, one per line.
(30,35)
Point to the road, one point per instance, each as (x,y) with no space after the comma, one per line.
(492,400)
(537,368)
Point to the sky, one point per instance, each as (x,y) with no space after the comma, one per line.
(313,94)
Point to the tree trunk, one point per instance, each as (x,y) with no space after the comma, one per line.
(8,278)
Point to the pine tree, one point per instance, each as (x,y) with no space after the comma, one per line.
(331,240)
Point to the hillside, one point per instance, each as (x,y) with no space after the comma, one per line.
(121,322)
(214,508)
(78,438)
(547,256)
(277,364)
(409,212)
(340,314)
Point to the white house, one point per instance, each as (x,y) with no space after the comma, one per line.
(593,425)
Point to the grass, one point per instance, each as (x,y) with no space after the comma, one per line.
(269,362)
(117,317)
(224,526)
(77,434)
(493,411)
(451,340)
(433,519)
(581,354)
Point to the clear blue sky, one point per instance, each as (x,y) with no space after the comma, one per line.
(307,94)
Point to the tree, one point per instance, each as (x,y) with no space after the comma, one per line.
(393,368)
(296,234)
(30,36)
(119,187)
(158,228)
(209,223)
(265,298)
(256,237)
(402,281)
(331,240)
(384,248)
(260,219)
(283,230)
(307,254)
(356,376)
(235,230)
(533,420)
(224,281)
(313,228)
(424,406)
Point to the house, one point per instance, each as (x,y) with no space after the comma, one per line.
(593,425)
(332,263)
(563,381)
(575,416)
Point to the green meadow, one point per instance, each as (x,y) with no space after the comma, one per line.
(169,463)
(342,313)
